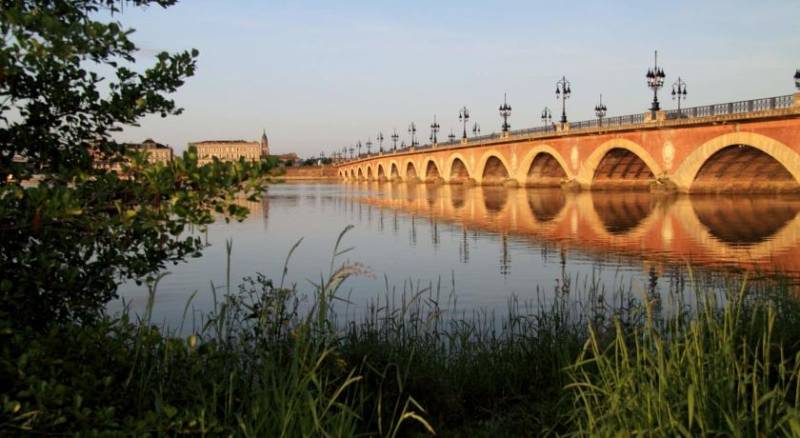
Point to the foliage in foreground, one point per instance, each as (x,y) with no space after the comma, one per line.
(256,368)
(267,363)
(71,237)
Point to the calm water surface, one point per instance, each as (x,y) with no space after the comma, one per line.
(492,243)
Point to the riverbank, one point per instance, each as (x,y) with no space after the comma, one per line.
(267,361)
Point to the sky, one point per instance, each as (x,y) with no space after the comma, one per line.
(322,75)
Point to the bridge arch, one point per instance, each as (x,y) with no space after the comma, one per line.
(360,173)
(493,168)
(639,166)
(381,172)
(370,173)
(457,170)
(394,171)
(411,171)
(540,167)
(776,153)
(432,172)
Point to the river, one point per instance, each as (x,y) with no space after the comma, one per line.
(486,244)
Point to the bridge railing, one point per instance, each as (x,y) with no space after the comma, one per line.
(740,107)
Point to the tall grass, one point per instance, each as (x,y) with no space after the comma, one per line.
(267,362)
(718,370)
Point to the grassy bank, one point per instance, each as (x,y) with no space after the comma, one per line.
(265,362)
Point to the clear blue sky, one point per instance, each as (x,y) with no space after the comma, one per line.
(321,75)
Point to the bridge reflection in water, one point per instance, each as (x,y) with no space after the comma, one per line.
(719,232)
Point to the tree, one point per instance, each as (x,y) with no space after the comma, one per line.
(67,241)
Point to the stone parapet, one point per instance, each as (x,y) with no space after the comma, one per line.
(657,116)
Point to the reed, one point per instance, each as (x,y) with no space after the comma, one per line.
(721,369)
(267,361)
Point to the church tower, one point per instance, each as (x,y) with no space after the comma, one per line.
(264,145)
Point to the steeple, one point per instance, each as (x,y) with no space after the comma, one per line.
(264,145)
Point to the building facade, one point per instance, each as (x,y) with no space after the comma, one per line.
(231,150)
(156,152)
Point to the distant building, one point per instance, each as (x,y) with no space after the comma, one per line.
(156,152)
(231,150)
(264,145)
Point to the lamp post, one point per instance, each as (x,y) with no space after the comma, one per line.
(547,117)
(394,140)
(563,91)
(679,93)
(600,111)
(412,129)
(505,113)
(351,152)
(369,145)
(358,146)
(463,117)
(380,141)
(655,80)
(434,130)
(797,79)
(476,129)
(451,137)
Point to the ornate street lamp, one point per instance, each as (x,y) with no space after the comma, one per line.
(797,79)
(395,137)
(358,146)
(679,93)
(600,111)
(563,91)
(451,137)
(476,129)
(380,141)
(369,145)
(412,129)
(655,80)
(434,130)
(547,117)
(463,117)
(505,113)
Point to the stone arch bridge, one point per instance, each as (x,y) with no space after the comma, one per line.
(748,146)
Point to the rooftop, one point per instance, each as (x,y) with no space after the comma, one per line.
(222,141)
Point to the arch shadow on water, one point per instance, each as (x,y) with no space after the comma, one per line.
(458,194)
(744,220)
(622,212)
(495,198)
(546,204)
